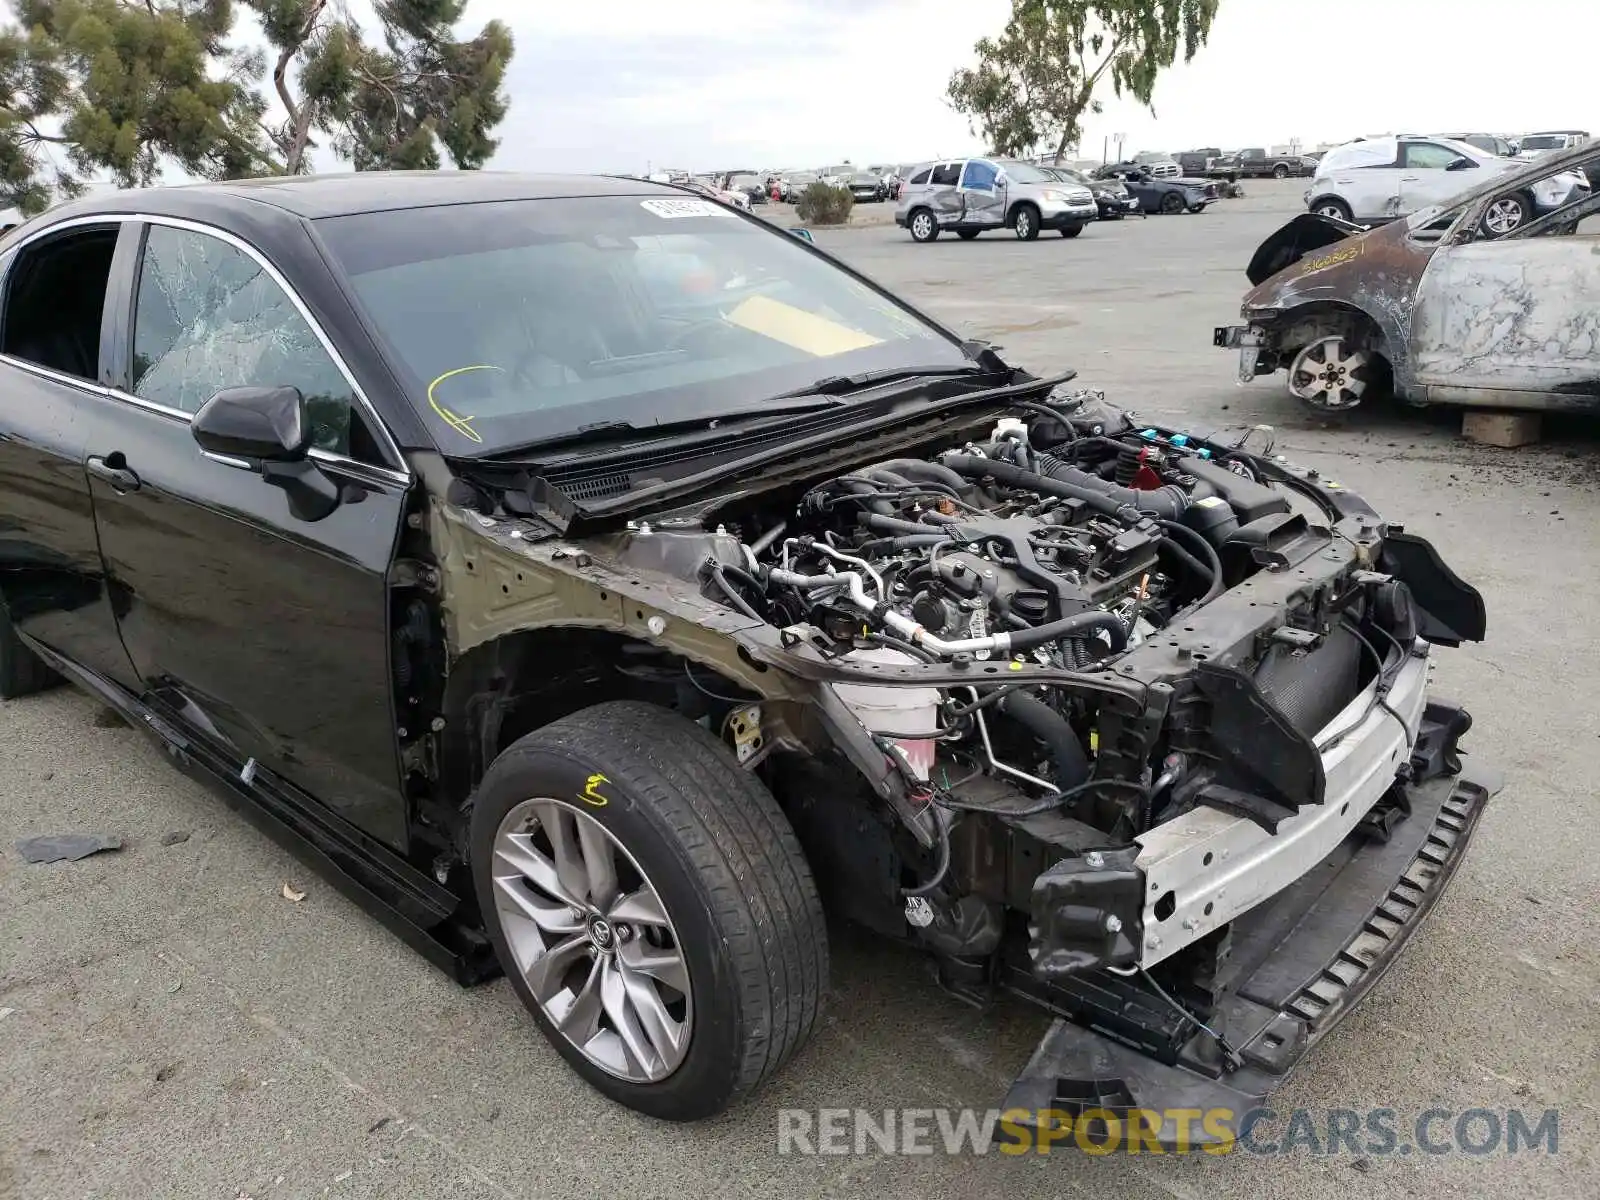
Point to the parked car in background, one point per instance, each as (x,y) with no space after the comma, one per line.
(791,185)
(1162,195)
(1257,163)
(1198,162)
(865,187)
(969,196)
(1489,143)
(1537,145)
(1382,178)
(737,199)
(751,183)
(1434,304)
(1160,165)
(1111,196)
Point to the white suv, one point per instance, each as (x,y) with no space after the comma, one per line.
(1379,179)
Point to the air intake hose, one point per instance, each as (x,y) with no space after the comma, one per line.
(1056,478)
(1166,502)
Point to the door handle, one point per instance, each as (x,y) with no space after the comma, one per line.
(114,469)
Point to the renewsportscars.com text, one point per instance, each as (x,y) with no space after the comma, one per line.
(1372,1132)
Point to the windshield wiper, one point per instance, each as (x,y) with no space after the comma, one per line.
(605,431)
(838,385)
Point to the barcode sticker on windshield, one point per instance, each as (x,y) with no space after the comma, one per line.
(685,208)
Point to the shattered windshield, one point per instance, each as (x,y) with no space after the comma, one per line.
(532,319)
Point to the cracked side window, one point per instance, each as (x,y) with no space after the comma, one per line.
(208,317)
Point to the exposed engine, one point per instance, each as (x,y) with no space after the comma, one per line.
(995,552)
(999,549)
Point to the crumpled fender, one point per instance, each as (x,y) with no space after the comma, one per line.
(1291,243)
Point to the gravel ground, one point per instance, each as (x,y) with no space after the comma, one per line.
(172,1026)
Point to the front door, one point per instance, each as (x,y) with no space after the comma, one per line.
(983,194)
(1426,178)
(263,632)
(52,581)
(1511,322)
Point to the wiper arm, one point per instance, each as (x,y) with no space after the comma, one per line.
(837,385)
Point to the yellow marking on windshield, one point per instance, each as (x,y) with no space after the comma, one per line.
(462,425)
(796,327)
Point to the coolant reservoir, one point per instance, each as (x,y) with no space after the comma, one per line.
(900,714)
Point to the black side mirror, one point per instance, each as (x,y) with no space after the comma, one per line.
(261,424)
(266,430)
(1461,164)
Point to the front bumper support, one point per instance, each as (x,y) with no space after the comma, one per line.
(1298,964)
(1248,340)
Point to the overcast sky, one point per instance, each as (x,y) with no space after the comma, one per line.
(703,84)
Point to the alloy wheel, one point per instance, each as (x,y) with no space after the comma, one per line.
(1329,374)
(1503,215)
(922,226)
(593,940)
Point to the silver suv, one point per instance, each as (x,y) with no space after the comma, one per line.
(970,195)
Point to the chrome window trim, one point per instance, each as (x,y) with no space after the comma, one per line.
(396,471)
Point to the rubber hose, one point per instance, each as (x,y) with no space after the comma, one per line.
(905,541)
(1079,625)
(1190,563)
(1095,497)
(1051,728)
(860,487)
(885,524)
(1207,552)
(913,468)
(1166,502)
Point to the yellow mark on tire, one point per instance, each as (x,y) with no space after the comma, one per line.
(591,793)
(462,425)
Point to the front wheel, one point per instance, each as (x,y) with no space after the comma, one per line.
(1280,171)
(1172,203)
(651,907)
(922,225)
(1025,222)
(1331,374)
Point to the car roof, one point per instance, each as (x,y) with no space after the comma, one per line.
(317,196)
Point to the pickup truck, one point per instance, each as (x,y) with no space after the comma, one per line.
(1258,164)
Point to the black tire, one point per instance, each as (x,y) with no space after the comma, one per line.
(1516,208)
(1172,203)
(1025,222)
(1071,230)
(729,872)
(22,672)
(924,226)
(1332,206)
(1281,171)
(966,235)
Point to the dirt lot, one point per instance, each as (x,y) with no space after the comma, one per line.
(171,1025)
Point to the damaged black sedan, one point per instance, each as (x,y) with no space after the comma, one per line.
(597,583)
